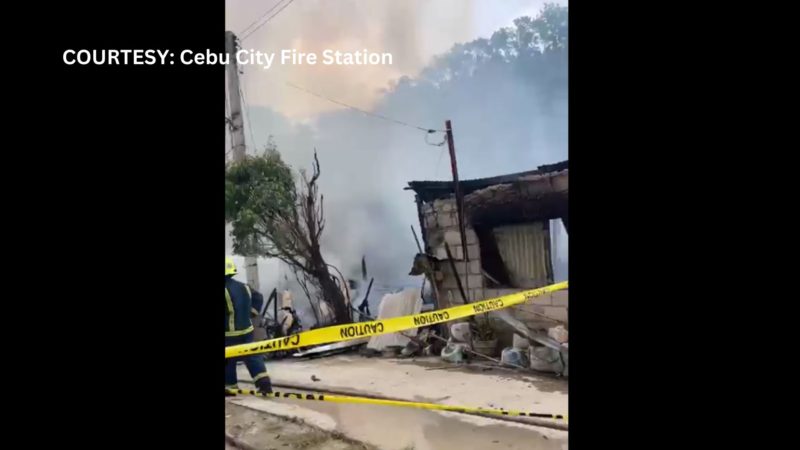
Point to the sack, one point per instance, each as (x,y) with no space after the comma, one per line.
(514,357)
(520,343)
(559,333)
(546,359)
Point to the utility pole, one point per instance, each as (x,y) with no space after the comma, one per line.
(459,203)
(237,134)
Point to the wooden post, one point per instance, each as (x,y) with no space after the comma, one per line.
(459,202)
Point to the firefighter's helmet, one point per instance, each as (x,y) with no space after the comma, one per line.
(230,267)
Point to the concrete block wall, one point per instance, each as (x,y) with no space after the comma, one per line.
(536,313)
(553,306)
(441,226)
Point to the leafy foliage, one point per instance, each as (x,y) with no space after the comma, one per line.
(260,197)
(272,218)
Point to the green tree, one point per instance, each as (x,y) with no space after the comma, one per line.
(271,217)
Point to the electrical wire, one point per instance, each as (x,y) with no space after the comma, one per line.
(377,116)
(444,140)
(245,34)
(261,17)
(268,19)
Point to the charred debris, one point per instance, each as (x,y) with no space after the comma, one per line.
(500,244)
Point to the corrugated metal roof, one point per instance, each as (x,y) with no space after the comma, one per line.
(431,190)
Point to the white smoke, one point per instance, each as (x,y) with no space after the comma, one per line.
(367,162)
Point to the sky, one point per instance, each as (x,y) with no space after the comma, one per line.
(367,210)
(413,31)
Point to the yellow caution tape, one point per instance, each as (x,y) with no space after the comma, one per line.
(406,404)
(346,332)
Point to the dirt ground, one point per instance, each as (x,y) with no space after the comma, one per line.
(270,432)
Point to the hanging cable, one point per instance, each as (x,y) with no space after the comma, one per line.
(377,116)
(245,30)
(439,144)
(268,19)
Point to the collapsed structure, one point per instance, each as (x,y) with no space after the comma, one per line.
(507,236)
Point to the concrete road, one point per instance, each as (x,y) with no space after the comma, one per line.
(396,428)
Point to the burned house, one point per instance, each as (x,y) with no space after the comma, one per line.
(507,235)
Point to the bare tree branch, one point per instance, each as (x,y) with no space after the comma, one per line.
(344,280)
(315,165)
(302,281)
(290,232)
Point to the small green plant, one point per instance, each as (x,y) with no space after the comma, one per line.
(484,331)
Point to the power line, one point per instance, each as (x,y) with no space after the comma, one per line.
(261,16)
(378,116)
(268,19)
(437,144)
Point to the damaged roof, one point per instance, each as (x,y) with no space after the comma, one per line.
(432,190)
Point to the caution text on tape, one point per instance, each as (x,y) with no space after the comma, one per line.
(338,333)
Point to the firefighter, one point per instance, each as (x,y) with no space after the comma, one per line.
(240,303)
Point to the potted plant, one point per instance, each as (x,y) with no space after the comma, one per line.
(484,338)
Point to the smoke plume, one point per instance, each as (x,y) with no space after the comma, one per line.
(503,121)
